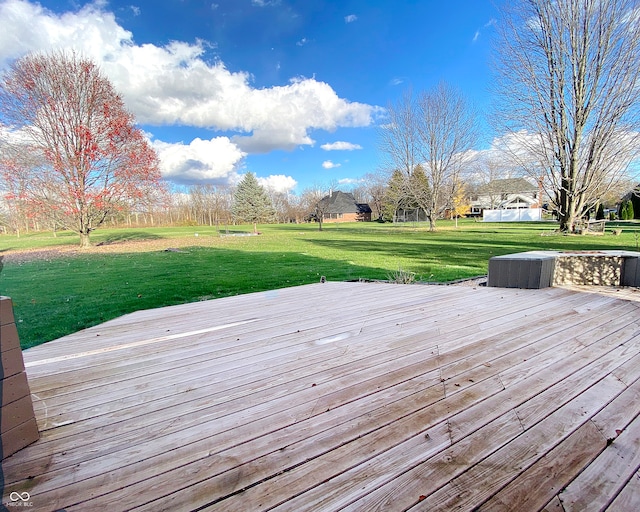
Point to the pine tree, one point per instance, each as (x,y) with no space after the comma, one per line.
(600,212)
(251,203)
(626,210)
(395,196)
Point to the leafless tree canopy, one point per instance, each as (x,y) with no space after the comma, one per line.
(434,130)
(569,81)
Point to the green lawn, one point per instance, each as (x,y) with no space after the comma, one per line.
(62,295)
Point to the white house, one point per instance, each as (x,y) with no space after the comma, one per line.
(505,194)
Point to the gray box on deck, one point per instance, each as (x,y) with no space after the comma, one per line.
(522,270)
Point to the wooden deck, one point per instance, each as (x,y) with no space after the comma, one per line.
(343,396)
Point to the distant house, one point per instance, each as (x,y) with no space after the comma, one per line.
(343,207)
(505,194)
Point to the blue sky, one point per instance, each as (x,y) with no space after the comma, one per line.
(292,90)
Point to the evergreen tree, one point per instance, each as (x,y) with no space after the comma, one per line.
(600,212)
(626,210)
(395,196)
(251,203)
(419,190)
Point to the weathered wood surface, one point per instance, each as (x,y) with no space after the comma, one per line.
(343,396)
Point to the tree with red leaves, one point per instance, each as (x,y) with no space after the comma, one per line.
(70,150)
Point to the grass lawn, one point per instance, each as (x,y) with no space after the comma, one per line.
(59,294)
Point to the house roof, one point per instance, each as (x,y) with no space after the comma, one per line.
(507,186)
(343,202)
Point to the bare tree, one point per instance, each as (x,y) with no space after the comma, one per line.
(434,132)
(569,81)
(211,205)
(374,189)
(448,131)
(311,198)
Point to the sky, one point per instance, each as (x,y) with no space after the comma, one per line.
(294,91)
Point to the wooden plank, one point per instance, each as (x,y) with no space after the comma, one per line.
(232,423)
(389,489)
(577,370)
(605,478)
(16,413)
(9,339)
(615,417)
(537,486)
(553,506)
(417,306)
(6,311)
(198,315)
(629,497)
(324,395)
(530,338)
(222,449)
(14,388)
(609,334)
(19,437)
(483,480)
(11,362)
(309,469)
(227,349)
(629,371)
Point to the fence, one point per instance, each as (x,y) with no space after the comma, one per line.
(512,215)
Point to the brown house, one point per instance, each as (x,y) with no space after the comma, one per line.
(342,207)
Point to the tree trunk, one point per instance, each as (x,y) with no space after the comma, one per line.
(84,240)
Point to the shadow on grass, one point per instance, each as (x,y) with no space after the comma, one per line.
(127,236)
(62,296)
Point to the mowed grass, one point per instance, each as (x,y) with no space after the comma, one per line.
(63,294)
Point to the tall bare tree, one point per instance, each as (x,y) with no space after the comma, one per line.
(569,78)
(374,188)
(434,131)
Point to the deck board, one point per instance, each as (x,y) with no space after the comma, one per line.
(356,396)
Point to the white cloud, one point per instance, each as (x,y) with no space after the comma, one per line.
(302,41)
(340,146)
(174,84)
(328,164)
(350,18)
(265,3)
(201,160)
(491,23)
(278,183)
(350,181)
